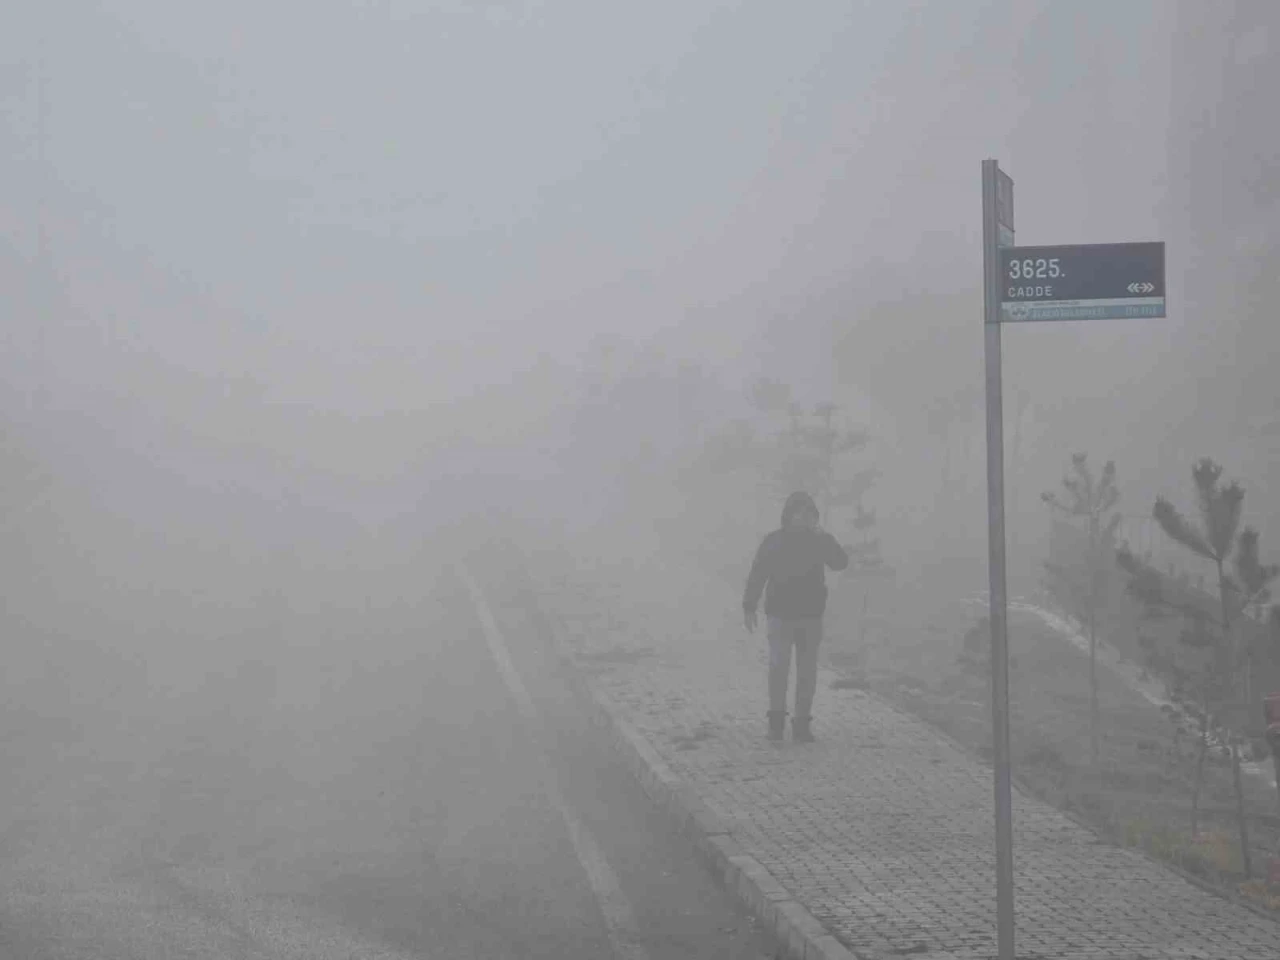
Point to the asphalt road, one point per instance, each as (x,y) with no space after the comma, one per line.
(395,775)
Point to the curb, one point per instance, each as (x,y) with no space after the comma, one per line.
(796,933)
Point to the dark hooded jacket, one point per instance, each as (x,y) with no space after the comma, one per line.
(790,567)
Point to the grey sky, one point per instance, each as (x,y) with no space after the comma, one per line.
(396,206)
(390,191)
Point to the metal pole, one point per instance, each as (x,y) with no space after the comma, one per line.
(996,564)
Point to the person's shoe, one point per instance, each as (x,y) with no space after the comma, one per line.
(777,724)
(800,731)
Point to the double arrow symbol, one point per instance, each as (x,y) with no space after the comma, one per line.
(1141,287)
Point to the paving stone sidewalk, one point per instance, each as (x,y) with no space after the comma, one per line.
(883,828)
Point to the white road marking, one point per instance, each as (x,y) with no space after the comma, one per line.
(619,918)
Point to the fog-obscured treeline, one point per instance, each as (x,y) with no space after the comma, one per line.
(274,297)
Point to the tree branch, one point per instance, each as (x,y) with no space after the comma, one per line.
(1179,529)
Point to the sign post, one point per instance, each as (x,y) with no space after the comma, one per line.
(997,233)
(1029,284)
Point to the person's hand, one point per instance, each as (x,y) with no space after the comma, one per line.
(749,620)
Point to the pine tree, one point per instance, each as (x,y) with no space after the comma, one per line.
(1081,584)
(1190,667)
(1252,589)
(1216,538)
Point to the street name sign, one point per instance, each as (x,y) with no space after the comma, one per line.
(1097,281)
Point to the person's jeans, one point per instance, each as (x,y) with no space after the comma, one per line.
(805,634)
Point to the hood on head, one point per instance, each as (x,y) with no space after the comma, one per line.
(797,502)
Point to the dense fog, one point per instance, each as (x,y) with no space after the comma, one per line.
(301,296)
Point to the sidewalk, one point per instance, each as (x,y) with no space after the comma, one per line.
(882,831)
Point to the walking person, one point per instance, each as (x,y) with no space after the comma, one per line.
(790,570)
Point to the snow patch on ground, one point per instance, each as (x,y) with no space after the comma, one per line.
(1153,691)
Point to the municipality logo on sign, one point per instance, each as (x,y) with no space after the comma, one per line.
(1016,311)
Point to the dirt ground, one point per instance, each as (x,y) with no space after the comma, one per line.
(1140,793)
